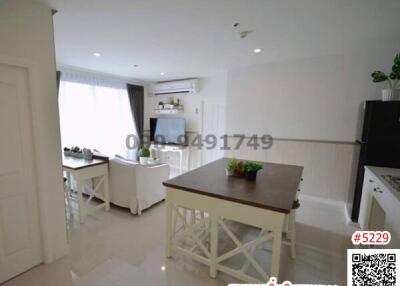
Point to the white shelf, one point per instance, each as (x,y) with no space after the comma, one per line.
(168,111)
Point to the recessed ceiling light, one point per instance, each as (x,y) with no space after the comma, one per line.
(163,268)
(162,73)
(258,50)
(96,54)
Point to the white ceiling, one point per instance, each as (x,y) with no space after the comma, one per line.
(194,38)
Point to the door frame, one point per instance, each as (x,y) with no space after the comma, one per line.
(49,253)
(203,102)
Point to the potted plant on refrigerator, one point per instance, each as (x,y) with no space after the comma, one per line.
(393,78)
(144,155)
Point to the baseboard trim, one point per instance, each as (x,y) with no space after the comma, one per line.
(335,203)
(62,251)
(319,200)
(349,221)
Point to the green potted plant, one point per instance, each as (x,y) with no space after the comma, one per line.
(239,172)
(392,79)
(250,170)
(144,155)
(161,105)
(231,167)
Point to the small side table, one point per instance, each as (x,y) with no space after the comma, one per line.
(82,170)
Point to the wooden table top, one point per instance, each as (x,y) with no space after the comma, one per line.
(80,163)
(274,189)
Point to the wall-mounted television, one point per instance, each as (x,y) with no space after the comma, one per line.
(168,130)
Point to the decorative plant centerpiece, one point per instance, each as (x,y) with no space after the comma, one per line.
(161,105)
(144,155)
(250,170)
(87,154)
(67,151)
(392,79)
(234,168)
(76,152)
(243,169)
(231,167)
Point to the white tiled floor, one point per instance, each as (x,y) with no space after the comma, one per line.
(119,249)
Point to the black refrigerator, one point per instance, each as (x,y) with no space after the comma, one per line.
(379,142)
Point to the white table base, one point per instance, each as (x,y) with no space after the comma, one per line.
(80,176)
(204,231)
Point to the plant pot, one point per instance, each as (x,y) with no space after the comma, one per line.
(396,94)
(251,176)
(143,160)
(87,156)
(76,154)
(390,94)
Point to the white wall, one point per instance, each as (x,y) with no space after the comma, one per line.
(310,106)
(314,98)
(329,167)
(26,32)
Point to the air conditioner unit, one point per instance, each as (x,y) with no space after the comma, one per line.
(177,86)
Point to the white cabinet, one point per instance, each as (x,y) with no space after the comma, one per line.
(380,204)
(159,151)
(368,187)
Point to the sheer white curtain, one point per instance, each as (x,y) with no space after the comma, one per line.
(95,113)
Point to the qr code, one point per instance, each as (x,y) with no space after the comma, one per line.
(372,267)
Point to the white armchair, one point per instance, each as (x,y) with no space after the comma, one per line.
(135,186)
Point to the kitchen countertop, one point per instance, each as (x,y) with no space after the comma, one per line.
(379,171)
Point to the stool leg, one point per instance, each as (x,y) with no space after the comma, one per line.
(192,217)
(185,214)
(292,231)
(213,246)
(106,187)
(170,231)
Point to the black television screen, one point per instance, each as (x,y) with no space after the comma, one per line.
(168,130)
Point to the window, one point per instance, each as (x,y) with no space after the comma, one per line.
(95,114)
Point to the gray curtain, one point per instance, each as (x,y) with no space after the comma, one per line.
(136,100)
(58,76)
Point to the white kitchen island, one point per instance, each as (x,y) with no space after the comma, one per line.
(380,202)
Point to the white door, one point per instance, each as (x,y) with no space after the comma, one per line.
(20,246)
(213,126)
